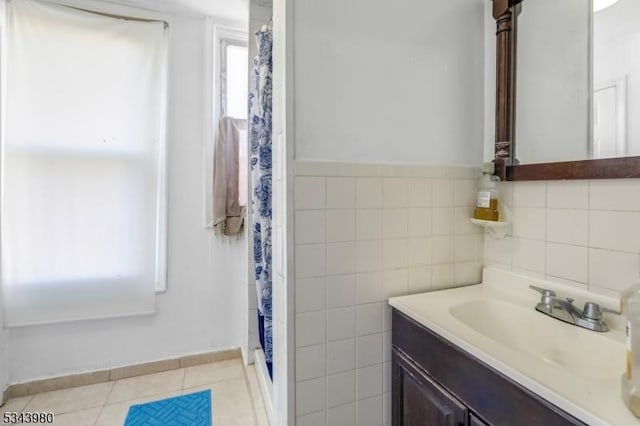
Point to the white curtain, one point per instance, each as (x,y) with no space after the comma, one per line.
(83,180)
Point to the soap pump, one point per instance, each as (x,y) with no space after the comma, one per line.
(631,378)
(487,194)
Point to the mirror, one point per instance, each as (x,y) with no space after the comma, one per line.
(578,80)
(510,168)
(616,80)
(552,81)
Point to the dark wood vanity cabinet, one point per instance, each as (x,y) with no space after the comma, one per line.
(435,383)
(421,401)
(475,421)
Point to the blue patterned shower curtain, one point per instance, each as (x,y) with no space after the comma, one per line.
(260,137)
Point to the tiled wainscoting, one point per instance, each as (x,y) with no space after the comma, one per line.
(364,233)
(585,233)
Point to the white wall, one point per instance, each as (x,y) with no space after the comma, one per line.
(395,82)
(204,306)
(4,355)
(4,342)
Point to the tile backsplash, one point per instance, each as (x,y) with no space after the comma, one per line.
(584,233)
(366,232)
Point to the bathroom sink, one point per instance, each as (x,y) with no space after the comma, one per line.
(496,322)
(529,332)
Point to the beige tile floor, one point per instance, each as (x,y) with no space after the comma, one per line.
(236,396)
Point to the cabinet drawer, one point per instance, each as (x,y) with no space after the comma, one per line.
(486,392)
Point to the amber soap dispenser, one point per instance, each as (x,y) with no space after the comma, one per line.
(487,194)
(630,305)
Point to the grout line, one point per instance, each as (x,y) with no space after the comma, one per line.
(325,316)
(101,410)
(546,232)
(184,378)
(106,400)
(247,385)
(325,311)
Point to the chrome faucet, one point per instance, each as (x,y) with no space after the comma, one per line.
(590,317)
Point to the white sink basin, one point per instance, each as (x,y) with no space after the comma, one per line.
(550,340)
(576,369)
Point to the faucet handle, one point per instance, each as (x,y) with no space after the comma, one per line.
(545,292)
(547,300)
(611,311)
(593,311)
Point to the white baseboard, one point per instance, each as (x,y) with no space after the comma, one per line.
(4,397)
(81,379)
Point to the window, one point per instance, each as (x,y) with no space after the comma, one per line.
(229,97)
(234,78)
(83,176)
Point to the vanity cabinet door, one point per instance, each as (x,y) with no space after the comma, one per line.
(419,401)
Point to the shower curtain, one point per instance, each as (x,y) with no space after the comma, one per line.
(260,139)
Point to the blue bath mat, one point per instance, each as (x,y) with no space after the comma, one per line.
(193,409)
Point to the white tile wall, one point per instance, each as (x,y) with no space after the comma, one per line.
(341,388)
(341,192)
(368,255)
(341,291)
(368,193)
(314,419)
(310,193)
(585,233)
(568,226)
(369,381)
(369,319)
(341,356)
(341,258)
(315,223)
(364,233)
(344,415)
(369,411)
(310,396)
(368,287)
(614,194)
(310,294)
(311,362)
(368,224)
(341,225)
(341,323)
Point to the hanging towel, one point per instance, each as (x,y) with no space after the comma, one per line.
(228,213)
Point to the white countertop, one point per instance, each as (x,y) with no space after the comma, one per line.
(594,400)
